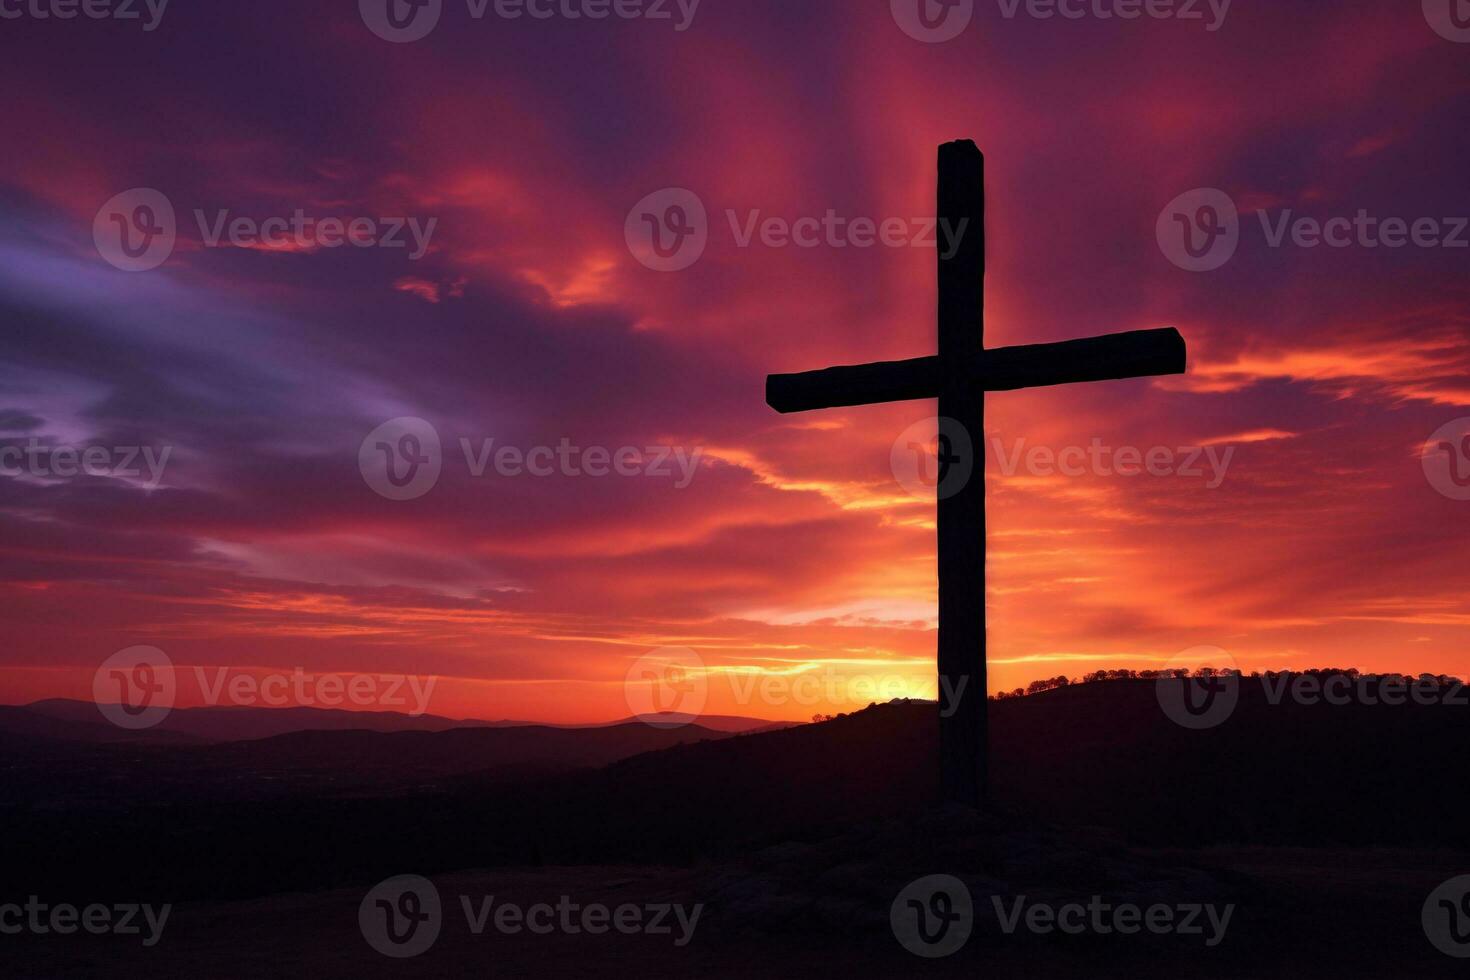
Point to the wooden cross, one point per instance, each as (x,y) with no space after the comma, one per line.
(959,377)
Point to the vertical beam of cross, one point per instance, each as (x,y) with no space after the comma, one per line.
(959,375)
(962,682)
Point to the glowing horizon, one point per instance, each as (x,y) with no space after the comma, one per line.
(791,549)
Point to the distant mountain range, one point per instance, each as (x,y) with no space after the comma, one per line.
(82,721)
(308,808)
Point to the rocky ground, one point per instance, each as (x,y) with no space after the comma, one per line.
(824,907)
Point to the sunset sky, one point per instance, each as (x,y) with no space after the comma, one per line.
(792,550)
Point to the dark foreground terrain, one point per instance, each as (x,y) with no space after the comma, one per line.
(1321,829)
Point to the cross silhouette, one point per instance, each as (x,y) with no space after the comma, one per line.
(959,377)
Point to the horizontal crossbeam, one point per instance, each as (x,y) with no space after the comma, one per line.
(1136,354)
